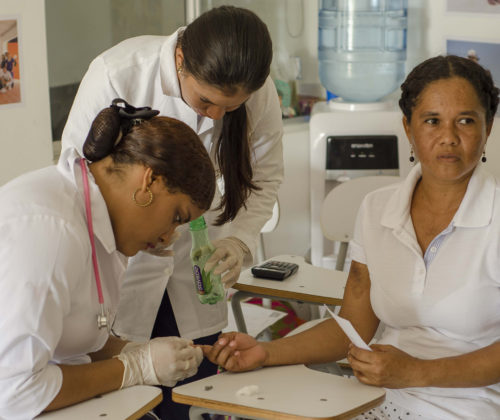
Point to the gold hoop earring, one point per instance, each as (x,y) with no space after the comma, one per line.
(148,203)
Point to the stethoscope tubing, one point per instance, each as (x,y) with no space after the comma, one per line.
(102,320)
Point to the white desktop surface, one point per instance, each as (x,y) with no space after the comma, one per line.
(285,392)
(125,404)
(309,284)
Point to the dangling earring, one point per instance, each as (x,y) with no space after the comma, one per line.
(411,158)
(483,159)
(179,69)
(148,203)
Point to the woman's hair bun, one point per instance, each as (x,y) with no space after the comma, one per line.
(112,123)
(103,134)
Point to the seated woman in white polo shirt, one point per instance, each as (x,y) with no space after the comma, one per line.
(426,263)
(65,233)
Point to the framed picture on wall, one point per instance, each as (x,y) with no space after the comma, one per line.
(10,79)
(485,53)
(473,6)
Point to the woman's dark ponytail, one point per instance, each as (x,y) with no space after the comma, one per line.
(233,156)
(230,49)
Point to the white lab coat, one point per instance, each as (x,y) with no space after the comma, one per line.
(142,71)
(48,299)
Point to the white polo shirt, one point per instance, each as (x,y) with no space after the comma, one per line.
(448,308)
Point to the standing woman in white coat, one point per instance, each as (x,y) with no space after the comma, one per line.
(65,233)
(214,76)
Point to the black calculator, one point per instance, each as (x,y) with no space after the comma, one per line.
(275,270)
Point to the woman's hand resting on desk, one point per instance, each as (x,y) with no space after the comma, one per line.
(236,352)
(385,366)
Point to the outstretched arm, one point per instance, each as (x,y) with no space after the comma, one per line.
(323,343)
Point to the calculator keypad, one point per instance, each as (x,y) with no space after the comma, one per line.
(277,270)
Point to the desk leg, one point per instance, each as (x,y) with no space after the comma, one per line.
(237,311)
(196,413)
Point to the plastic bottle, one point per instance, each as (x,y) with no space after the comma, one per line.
(362,47)
(208,286)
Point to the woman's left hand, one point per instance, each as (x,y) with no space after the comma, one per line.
(385,366)
(228,259)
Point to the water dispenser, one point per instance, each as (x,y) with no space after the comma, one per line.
(362,54)
(362,47)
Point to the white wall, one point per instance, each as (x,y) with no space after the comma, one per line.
(26,137)
(292,235)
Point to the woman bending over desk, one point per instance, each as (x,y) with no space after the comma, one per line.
(65,233)
(426,263)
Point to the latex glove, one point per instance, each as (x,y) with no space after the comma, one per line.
(228,259)
(160,361)
(160,250)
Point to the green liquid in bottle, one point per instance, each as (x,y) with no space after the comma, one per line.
(208,285)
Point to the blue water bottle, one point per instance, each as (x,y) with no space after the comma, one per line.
(362,47)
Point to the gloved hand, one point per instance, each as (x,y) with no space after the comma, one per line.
(160,250)
(227,258)
(160,361)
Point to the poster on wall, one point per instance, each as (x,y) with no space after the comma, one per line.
(485,53)
(473,6)
(10,79)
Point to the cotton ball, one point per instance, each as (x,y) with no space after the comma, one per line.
(247,391)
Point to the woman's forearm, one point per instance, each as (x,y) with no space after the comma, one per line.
(326,342)
(475,369)
(112,347)
(82,382)
(322,343)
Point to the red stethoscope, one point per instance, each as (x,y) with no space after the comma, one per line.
(102,318)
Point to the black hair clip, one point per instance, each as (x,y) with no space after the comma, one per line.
(129,112)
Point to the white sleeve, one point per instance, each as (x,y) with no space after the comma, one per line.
(34,300)
(94,94)
(266,150)
(356,245)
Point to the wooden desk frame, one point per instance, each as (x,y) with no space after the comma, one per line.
(285,393)
(129,403)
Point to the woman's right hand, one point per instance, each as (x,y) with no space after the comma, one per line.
(236,352)
(159,361)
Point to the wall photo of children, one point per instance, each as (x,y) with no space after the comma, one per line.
(10,80)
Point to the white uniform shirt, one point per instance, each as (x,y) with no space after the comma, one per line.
(142,71)
(448,309)
(48,299)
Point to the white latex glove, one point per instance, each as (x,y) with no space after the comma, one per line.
(160,361)
(228,259)
(160,250)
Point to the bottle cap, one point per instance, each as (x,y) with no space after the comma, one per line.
(197,224)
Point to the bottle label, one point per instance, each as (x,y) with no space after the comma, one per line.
(198,278)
